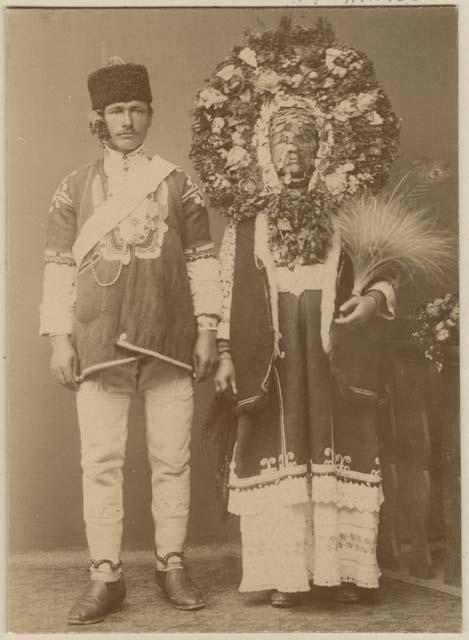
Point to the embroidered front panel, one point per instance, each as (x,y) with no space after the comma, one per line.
(144,230)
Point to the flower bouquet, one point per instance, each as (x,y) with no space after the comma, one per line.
(437,327)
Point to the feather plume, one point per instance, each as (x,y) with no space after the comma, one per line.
(416,183)
(383,235)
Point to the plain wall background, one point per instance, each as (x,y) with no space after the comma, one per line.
(49,55)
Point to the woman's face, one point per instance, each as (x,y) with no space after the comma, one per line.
(293,146)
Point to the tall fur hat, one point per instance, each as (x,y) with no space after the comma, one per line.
(118,82)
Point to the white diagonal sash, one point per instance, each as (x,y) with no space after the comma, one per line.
(112,211)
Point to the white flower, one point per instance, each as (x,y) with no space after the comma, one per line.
(227,72)
(268,80)
(296,80)
(353,184)
(248,186)
(209,97)
(366,101)
(293,81)
(248,56)
(238,157)
(336,183)
(339,71)
(454,315)
(331,55)
(217,125)
(374,118)
(313,75)
(345,110)
(442,335)
(238,139)
(432,312)
(440,326)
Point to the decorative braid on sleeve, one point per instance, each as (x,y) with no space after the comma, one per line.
(59,257)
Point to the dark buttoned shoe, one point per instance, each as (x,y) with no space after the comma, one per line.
(99,599)
(347,593)
(284,600)
(176,585)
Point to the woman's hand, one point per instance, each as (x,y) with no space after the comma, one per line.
(225,377)
(357,310)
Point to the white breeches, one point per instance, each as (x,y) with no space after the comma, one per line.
(103,402)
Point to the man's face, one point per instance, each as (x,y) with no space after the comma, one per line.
(127,124)
(293,147)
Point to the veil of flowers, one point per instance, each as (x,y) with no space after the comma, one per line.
(292,67)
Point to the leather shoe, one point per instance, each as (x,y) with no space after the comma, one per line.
(284,600)
(99,599)
(176,585)
(347,593)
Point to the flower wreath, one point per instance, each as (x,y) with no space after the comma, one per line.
(294,67)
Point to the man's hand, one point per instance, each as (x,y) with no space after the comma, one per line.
(205,355)
(64,361)
(357,310)
(225,377)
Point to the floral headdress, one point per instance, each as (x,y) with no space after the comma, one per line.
(293,67)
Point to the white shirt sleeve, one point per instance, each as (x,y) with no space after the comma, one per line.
(58,298)
(227,261)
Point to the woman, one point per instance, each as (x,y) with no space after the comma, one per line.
(287,128)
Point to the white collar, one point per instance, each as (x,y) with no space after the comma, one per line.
(117,163)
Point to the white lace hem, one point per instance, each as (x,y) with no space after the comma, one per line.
(256,500)
(326,489)
(289,547)
(343,493)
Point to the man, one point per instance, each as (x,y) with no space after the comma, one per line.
(131,304)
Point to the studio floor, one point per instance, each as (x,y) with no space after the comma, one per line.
(42,587)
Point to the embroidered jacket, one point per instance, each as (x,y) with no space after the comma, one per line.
(144,285)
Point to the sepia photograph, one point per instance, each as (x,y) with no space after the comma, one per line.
(233,380)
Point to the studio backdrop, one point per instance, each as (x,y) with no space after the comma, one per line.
(50,53)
